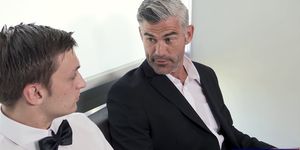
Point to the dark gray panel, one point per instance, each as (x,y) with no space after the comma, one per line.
(93,97)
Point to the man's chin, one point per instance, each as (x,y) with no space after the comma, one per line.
(161,71)
(161,68)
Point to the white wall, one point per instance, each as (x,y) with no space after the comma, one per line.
(254,47)
(106,30)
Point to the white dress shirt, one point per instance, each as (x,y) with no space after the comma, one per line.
(192,92)
(17,136)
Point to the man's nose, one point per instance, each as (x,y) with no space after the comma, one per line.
(81,83)
(160,48)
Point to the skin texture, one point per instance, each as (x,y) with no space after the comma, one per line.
(65,88)
(164,44)
(38,105)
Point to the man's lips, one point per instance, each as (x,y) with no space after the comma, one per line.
(160,61)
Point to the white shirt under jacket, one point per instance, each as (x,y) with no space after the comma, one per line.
(17,136)
(192,91)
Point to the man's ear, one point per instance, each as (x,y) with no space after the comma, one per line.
(189,34)
(34,93)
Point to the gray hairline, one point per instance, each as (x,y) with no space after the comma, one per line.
(179,10)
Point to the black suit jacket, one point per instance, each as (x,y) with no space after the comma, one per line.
(147,112)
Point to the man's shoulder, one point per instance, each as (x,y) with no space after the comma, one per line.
(129,85)
(132,74)
(132,78)
(82,126)
(2,139)
(200,66)
(75,117)
(78,120)
(7,144)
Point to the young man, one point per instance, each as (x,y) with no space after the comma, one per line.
(170,102)
(39,87)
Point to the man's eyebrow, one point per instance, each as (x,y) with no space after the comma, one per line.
(77,68)
(169,34)
(148,34)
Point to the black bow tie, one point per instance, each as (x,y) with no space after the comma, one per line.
(62,137)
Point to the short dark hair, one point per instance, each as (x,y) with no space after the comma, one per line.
(28,54)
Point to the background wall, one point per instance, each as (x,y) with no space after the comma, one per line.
(254,47)
(106,30)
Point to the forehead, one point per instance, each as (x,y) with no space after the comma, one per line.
(170,24)
(67,62)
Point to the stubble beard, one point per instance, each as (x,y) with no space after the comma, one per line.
(163,69)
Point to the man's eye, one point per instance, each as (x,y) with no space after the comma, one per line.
(151,40)
(168,40)
(74,75)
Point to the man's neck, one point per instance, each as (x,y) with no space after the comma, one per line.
(27,116)
(180,74)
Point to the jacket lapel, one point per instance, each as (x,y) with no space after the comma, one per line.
(168,90)
(210,94)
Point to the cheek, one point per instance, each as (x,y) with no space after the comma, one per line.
(68,99)
(63,92)
(148,50)
(179,49)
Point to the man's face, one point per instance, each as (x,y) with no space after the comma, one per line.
(164,44)
(65,86)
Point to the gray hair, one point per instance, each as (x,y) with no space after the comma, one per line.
(153,11)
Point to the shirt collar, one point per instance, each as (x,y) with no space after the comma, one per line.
(190,69)
(22,135)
